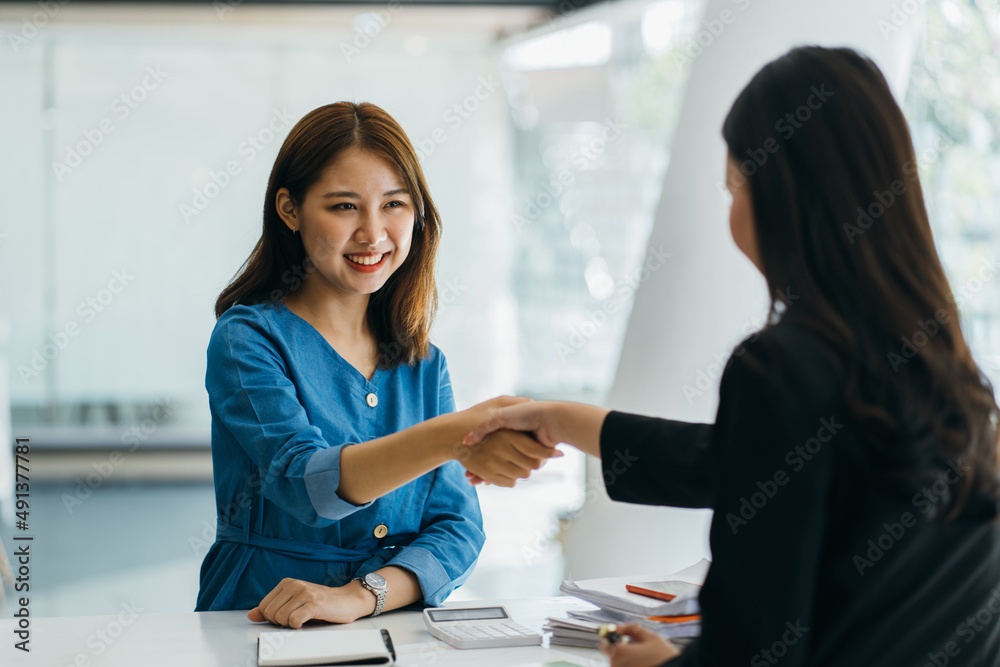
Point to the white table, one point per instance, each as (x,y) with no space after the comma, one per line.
(228,639)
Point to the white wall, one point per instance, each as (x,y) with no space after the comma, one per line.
(691,313)
(61,240)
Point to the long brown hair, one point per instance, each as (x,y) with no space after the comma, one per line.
(401,311)
(841,225)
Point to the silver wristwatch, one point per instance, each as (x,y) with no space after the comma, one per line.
(377,584)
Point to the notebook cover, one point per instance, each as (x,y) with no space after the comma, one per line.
(309,653)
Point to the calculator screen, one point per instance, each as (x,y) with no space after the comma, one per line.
(480,614)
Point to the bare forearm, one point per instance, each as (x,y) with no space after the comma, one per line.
(403,588)
(578,424)
(369,470)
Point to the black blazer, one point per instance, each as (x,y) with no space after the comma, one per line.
(820,555)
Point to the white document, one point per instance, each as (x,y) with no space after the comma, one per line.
(610,593)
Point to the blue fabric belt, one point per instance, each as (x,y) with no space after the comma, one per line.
(225,532)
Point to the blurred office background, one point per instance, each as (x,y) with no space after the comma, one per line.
(573,149)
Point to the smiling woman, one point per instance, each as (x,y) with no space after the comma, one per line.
(356,223)
(333,426)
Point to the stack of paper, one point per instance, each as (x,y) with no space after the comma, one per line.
(573,632)
(675,628)
(611,594)
(678,620)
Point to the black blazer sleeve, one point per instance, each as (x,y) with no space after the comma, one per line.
(771,497)
(653,461)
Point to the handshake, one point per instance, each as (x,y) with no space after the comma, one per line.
(505,438)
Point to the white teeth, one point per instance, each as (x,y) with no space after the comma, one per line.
(366,260)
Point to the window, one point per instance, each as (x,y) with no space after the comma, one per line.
(953,108)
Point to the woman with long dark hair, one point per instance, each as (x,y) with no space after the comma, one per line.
(333,423)
(852,466)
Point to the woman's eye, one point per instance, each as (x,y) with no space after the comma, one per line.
(342,206)
(395,204)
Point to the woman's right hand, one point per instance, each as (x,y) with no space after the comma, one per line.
(504,444)
(645,648)
(535,417)
(505,456)
(548,422)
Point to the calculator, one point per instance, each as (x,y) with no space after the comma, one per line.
(478,627)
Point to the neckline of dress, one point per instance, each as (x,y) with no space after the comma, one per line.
(372,383)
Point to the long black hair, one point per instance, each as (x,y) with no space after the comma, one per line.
(841,225)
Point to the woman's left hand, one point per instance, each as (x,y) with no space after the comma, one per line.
(293,602)
(504,457)
(645,648)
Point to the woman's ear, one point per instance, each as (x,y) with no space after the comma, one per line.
(287,209)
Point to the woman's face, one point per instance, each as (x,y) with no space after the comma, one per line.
(356,222)
(741,222)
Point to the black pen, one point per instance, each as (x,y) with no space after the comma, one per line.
(610,632)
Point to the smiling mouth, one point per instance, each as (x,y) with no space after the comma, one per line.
(366,260)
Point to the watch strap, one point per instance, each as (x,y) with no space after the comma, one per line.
(378,593)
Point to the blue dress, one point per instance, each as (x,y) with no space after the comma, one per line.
(284,404)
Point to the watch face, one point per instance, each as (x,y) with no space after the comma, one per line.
(375,580)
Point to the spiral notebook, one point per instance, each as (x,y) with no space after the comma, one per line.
(315,648)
